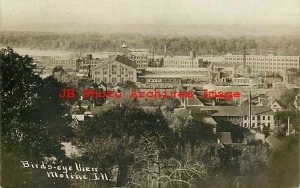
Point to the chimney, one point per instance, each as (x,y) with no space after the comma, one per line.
(192,54)
(89,56)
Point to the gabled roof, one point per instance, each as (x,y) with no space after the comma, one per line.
(273,141)
(208,120)
(86,103)
(278,102)
(258,110)
(225,138)
(233,111)
(118,58)
(194,102)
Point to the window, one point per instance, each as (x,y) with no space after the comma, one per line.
(245,118)
(253,124)
(114,66)
(245,124)
(269,124)
(269,117)
(263,117)
(253,118)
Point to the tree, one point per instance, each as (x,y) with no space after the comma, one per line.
(252,160)
(283,164)
(121,128)
(32,121)
(282,118)
(171,104)
(195,132)
(151,168)
(288,97)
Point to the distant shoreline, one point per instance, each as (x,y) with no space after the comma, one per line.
(225,30)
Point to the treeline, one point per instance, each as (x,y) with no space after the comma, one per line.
(176,45)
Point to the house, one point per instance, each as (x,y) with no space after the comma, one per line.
(275,106)
(46,71)
(254,136)
(225,138)
(261,116)
(113,70)
(273,141)
(79,118)
(86,104)
(224,72)
(71,63)
(117,88)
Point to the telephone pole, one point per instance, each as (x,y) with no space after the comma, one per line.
(250,109)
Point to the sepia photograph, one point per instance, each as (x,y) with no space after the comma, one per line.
(149,93)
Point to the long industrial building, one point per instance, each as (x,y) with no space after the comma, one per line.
(265,63)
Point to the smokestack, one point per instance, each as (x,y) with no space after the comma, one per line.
(165,50)
(244,56)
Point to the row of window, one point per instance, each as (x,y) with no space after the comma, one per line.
(114,72)
(179,72)
(261,59)
(258,117)
(272,64)
(253,124)
(115,80)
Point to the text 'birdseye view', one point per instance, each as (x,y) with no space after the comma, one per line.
(149,94)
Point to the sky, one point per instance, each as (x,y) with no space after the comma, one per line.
(171,12)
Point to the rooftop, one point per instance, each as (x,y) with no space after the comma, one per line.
(118,58)
(236,111)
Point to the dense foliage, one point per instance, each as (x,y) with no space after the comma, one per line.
(32,120)
(179,45)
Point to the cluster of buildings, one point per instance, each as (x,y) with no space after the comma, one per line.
(143,66)
(244,73)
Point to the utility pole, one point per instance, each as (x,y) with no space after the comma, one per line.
(250,110)
(288,131)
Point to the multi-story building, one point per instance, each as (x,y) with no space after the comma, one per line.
(176,76)
(265,63)
(291,77)
(117,69)
(142,57)
(247,81)
(261,116)
(184,61)
(67,63)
